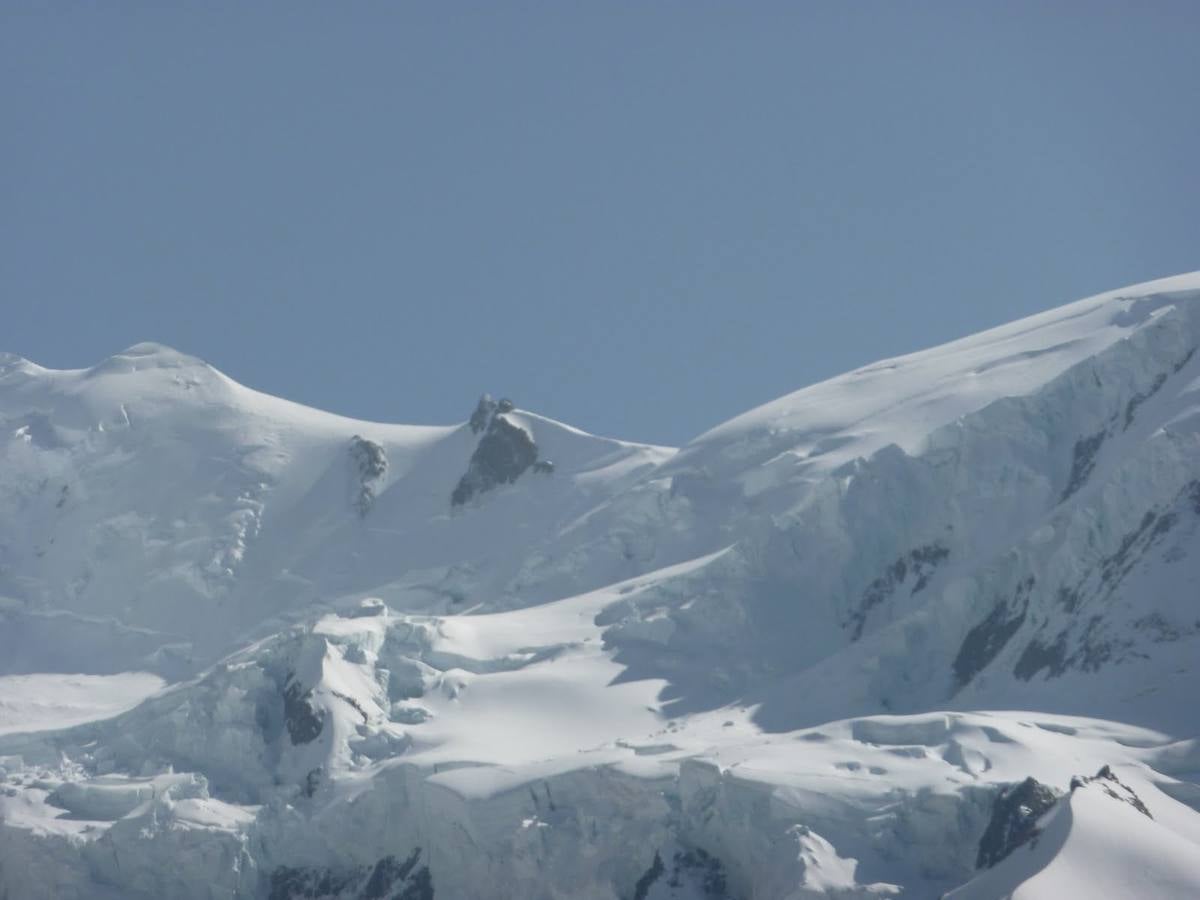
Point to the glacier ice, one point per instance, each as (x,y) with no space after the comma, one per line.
(864,641)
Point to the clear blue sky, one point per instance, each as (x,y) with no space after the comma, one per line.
(641,218)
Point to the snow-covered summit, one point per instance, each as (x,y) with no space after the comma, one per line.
(904,400)
(872,639)
(152,496)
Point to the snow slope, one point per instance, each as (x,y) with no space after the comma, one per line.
(42,702)
(817,652)
(1095,844)
(150,505)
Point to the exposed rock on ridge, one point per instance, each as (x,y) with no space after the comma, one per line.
(504,453)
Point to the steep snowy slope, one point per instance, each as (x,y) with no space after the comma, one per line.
(151,509)
(876,638)
(953,542)
(1101,842)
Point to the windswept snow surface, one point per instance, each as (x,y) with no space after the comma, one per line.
(929,627)
(44,702)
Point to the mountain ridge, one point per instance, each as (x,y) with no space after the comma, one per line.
(805,655)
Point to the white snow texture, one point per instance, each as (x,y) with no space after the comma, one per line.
(929,628)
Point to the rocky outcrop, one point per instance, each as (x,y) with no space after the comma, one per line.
(483,413)
(692,874)
(368,466)
(390,877)
(1015,815)
(303,722)
(1017,810)
(1108,782)
(918,566)
(985,640)
(504,453)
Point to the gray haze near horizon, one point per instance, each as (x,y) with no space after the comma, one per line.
(642,219)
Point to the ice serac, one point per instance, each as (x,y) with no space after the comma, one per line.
(860,642)
(946,528)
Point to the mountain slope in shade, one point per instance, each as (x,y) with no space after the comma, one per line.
(807,655)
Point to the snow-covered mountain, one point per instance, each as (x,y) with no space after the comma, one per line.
(929,627)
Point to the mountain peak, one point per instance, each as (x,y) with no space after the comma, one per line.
(146,355)
(772,663)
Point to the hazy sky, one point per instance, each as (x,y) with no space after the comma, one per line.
(639,217)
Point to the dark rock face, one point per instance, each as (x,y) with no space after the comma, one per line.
(1092,642)
(985,641)
(504,453)
(369,464)
(651,875)
(1108,782)
(1083,461)
(482,415)
(1159,380)
(920,563)
(1038,655)
(303,722)
(693,873)
(389,879)
(1134,545)
(1015,814)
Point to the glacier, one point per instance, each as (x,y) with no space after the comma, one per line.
(928,628)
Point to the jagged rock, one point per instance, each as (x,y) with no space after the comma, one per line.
(1039,655)
(1088,644)
(369,462)
(1114,787)
(505,451)
(692,874)
(1015,814)
(544,467)
(985,641)
(390,877)
(651,875)
(1082,462)
(505,406)
(920,563)
(482,415)
(303,722)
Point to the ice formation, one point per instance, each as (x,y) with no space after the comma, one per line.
(873,639)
